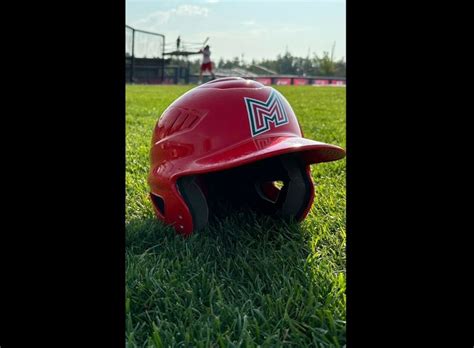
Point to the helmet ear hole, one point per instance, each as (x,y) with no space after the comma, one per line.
(288,194)
(278,184)
(158,202)
(269,190)
(195,200)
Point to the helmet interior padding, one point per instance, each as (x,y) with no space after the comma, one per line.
(218,194)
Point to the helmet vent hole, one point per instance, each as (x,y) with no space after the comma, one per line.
(159,203)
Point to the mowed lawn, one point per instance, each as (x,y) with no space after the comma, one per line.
(242,282)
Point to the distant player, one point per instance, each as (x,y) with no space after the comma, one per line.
(206,63)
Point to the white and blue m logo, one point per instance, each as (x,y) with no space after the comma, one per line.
(262,113)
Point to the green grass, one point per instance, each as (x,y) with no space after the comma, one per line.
(243,282)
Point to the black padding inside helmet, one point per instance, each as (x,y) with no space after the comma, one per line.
(241,188)
(195,199)
(295,194)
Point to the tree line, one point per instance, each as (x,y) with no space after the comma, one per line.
(284,64)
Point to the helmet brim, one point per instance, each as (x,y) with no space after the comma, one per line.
(260,148)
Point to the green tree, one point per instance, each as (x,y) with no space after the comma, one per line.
(326,65)
(287,64)
(221,63)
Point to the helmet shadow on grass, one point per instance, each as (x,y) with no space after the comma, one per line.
(233,233)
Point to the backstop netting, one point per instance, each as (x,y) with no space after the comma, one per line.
(128,52)
(143,55)
(128,41)
(148,45)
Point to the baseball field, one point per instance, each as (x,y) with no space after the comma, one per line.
(241,282)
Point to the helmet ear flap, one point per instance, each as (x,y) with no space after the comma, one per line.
(195,200)
(295,195)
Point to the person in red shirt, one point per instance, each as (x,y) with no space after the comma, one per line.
(206,63)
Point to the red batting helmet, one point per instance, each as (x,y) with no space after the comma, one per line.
(230,140)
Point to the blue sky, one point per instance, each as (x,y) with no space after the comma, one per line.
(256,29)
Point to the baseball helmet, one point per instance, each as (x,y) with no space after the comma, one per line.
(228,143)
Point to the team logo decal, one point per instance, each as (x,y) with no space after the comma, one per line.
(262,113)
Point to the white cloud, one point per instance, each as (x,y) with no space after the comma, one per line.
(249,23)
(192,10)
(158,18)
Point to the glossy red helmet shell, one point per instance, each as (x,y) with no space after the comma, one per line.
(223,124)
